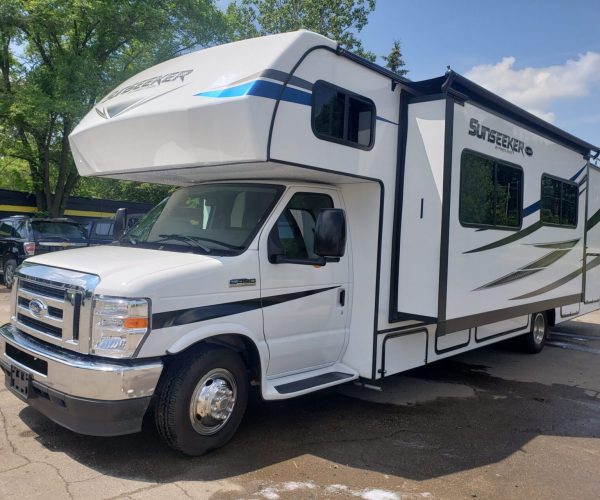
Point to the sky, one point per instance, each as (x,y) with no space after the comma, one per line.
(543,55)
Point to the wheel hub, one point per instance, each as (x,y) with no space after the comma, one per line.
(539,329)
(213,401)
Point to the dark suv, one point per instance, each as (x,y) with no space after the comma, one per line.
(22,237)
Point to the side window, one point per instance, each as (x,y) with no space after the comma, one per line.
(20,230)
(104,229)
(559,202)
(341,116)
(491,193)
(6,229)
(295,228)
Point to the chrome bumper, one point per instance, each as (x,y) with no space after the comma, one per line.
(78,375)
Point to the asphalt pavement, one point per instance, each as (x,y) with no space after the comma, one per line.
(491,423)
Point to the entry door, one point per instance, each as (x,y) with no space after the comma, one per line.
(592,227)
(304,304)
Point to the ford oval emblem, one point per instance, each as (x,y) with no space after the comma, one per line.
(37,307)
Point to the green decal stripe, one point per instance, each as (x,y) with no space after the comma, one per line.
(560,282)
(529,269)
(547,260)
(509,278)
(557,244)
(509,239)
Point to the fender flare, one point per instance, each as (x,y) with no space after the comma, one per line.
(208,331)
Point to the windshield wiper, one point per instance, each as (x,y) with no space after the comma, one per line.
(180,237)
(222,243)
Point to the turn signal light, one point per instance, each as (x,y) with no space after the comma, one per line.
(135,323)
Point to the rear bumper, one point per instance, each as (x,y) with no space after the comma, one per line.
(83,393)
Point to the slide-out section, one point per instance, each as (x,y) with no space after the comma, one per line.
(418,271)
(592,238)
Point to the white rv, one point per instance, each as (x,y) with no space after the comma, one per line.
(335,222)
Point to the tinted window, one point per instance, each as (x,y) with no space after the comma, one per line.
(296,225)
(57,231)
(343,117)
(5,229)
(490,192)
(329,105)
(559,202)
(20,229)
(104,229)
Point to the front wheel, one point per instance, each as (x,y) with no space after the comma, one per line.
(201,400)
(534,341)
(10,268)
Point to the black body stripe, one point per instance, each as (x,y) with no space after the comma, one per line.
(509,239)
(593,220)
(213,311)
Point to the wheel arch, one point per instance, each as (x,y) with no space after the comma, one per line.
(233,337)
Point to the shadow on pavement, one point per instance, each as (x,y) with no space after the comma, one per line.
(417,442)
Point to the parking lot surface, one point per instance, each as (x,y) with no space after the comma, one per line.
(492,423)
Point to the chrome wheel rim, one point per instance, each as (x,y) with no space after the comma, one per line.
(213,401)
(539,328)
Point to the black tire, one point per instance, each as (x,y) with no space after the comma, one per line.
(9,269)
(179,384)
(534,341)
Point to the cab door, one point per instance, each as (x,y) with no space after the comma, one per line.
(305,303)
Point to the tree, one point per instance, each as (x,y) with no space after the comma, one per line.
(340,20)
(58,56)
(394,61)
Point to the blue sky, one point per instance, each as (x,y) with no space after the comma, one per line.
(543,55)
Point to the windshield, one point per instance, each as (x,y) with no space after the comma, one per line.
(58,231)
(217,219)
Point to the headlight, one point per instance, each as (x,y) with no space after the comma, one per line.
(119,326)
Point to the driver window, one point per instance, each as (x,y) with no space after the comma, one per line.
(295,227)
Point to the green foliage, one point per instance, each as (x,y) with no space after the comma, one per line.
(14,175)
(112,189)
(340,20)
(394,61)
(57,57)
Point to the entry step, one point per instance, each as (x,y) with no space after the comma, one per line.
(312,382)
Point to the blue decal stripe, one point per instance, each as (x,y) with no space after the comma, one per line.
(269,90)
(382,119)
(262,88)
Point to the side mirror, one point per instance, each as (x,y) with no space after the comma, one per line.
(330,233)
(120,223)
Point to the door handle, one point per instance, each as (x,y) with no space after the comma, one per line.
(342,297)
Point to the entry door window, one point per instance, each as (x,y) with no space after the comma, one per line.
(295,227)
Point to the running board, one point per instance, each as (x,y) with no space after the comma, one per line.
(298,384)
(314,382)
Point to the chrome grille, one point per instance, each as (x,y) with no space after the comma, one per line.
(54,305)
(57,292)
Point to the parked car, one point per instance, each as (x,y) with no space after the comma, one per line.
(22,237)
(100,231)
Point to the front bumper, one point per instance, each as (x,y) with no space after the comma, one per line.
(83,393)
